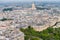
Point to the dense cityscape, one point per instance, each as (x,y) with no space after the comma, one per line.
(18,22)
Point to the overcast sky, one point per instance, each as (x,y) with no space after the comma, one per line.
(26,0)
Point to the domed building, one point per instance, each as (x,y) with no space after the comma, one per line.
(33,6)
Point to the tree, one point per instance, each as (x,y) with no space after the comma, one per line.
(48,34)
(35,38)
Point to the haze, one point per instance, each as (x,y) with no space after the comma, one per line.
(25,0)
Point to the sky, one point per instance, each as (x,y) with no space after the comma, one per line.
(25,0)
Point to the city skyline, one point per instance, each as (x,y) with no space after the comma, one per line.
(25,0)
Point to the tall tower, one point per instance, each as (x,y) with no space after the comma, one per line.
(33,6)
